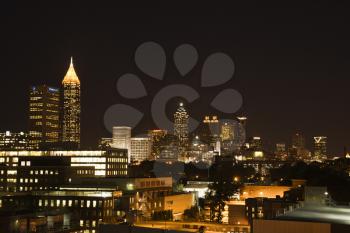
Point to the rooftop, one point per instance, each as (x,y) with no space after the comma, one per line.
(325,214)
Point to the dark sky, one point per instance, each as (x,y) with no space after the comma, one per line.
(292,62)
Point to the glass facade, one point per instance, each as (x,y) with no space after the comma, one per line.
(44,105)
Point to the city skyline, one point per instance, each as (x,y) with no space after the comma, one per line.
(228,117)
(307,105)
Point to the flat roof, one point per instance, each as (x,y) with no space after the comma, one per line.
(324,214)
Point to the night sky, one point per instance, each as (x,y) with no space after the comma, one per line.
(292,62)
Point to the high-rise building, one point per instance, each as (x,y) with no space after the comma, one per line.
(209,130)
(320,147)
(181,120)
(280,147)
(227,131)
(14,141)
(256,143)
(122,138)
(298,141)
(140,149)
(243,121)
(156,136)
(71,107)
(44,113)
(281,150)
(242,129)
(298,149)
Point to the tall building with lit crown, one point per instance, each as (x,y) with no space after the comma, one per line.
(44,113)
(181,120)
(320,148)
(71,107)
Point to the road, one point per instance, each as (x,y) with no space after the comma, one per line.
(193,226)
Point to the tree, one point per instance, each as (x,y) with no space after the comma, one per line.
(218,194)
(165,215)
(192,214)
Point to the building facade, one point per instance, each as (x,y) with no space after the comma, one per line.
(14,141)
(140,149)
(122,139)
(156,136)
(181,120)
(71,107)
(44,113)
(320,148)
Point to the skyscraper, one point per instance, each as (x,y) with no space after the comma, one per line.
(209,130)
(181,120)
(298,141)
(156,136)
(320,147)
(44,106)
(122,139)
(298,149)
(71,107)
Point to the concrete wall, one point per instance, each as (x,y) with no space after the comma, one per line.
(277,226)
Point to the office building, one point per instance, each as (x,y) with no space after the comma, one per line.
(105,143)
(122,138)
(298,140)
(320,148)
(181,121)
(44,113)
(140,149)
(14,141)
(71,107)
(156,136)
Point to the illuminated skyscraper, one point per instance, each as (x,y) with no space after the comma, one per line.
(298,149)
(320,148)
(209,130)
(156,136)
(181,120)
(122,139)
(243,121)
(71,107)
(298,141)
(44,106)
(227,131)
